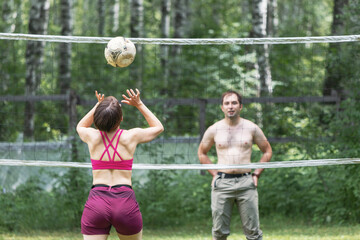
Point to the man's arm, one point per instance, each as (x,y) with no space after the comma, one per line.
(205,145)
(265,148)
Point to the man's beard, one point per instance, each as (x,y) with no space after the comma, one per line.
(232,115)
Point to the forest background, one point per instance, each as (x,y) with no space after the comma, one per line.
(307,130)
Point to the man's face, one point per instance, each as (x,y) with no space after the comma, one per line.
(231,106)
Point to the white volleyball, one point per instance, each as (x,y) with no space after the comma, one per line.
(120,52)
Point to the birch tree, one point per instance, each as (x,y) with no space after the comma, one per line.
(272,18)
(180,8)
(114,14)
(8,16)
(38,23)
(259,23)
(137,31)
(101,16)
(66,23)
(165,33)
(334,67)
(180,17)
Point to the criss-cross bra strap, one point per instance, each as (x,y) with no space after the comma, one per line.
(110,144)
(117,143)
(106,147)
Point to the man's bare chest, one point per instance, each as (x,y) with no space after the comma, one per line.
(240,138)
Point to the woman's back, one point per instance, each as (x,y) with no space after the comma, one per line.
(111,151)
(116,146)
(111,200)
(111,155)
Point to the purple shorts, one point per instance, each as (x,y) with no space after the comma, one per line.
(108,207)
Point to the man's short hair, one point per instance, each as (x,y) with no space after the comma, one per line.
(239,97)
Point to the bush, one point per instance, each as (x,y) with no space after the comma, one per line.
(32,207)
(174,197)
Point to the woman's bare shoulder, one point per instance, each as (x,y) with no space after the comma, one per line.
(89,134)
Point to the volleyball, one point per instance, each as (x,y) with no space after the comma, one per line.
(120,52)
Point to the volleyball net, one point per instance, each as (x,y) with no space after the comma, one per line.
(183,41)
(182,90)
(234,69)
(311,129)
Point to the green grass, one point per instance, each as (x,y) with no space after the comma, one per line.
(273,230)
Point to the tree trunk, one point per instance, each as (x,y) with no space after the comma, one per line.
(259,23)
(38,23)
(259,12)
(180,19)
(165,33)
(137,31)
(72,102)
(8,16)
(101,16)
(114,14)
(66,22)
(333,74)
(272,18)
(180,8)
(216,14)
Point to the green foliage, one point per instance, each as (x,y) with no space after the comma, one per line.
(72,188)
(174,197)
(322,194)
(27,208)
(33,207)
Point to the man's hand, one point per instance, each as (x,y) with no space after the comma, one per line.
(213,180)
(255,177)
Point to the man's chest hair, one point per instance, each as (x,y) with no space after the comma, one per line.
(239,137)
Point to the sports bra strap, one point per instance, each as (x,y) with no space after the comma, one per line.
(117,143)
(106,146)
(110,144)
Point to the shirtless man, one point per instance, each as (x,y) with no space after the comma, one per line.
(233,137)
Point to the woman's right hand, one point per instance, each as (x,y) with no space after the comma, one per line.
(142,135)
(99,97)
(133,99)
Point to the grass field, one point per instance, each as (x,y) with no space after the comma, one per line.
(273,230)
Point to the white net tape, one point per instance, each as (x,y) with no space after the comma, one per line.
(183,41)
(283,164)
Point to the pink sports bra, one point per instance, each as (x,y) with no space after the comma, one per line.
(111,164)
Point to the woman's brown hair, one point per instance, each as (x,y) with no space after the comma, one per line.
(108,114)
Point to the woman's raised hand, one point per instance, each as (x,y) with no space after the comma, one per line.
(99,97)
(133,98)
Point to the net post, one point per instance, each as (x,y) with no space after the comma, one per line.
(202,116)
(72,102)
(202,121)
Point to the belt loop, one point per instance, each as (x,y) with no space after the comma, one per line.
(222,175)
(109,188)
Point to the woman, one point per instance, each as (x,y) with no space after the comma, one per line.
(111,200)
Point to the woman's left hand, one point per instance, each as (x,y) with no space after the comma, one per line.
(133,99)
(99,97)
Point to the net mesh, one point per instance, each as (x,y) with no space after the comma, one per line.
(184,111)
(55,164)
